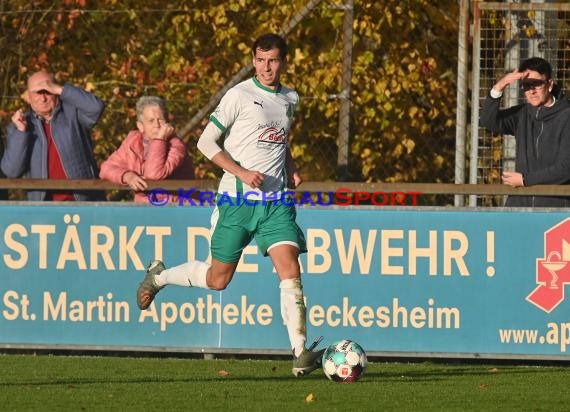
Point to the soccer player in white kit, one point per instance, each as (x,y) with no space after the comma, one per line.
(255,116)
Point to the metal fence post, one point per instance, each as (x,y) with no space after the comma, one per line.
(344,95)
(462,100)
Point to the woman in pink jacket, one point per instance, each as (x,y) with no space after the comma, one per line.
(152,152)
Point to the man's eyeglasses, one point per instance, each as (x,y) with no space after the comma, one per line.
(531,84)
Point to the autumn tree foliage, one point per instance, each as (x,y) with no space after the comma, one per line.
(403,72)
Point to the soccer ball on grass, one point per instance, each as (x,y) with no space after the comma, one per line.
(344,361)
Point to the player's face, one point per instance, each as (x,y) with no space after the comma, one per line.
(150,122)
(268,66)
(536,88)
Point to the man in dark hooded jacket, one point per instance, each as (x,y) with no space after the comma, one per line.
(541,128)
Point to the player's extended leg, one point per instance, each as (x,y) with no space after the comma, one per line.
(293,310)
(195,273)
(229,237)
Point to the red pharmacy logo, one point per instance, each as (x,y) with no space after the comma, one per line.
(553,271)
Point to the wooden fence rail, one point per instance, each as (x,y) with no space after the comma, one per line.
(211,185)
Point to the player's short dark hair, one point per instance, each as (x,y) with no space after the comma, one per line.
(271,41)
(537,64)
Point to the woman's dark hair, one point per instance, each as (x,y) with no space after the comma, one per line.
(537,64)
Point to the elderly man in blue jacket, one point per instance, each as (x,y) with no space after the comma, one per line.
(53,139)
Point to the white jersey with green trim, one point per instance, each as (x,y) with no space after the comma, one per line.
(256,121)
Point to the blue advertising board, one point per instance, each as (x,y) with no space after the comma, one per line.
(418,281)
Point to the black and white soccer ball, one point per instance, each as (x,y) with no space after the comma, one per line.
(344,361)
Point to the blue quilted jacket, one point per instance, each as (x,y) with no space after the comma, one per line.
(73,119)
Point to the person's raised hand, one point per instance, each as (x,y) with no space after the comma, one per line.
(165,132)
(49,86)
(19,120)
(509,79)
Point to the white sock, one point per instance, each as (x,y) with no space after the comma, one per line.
(190,274)
(293,312)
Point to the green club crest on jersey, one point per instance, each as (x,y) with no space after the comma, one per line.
(290,110)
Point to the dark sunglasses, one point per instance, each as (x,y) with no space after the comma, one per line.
(531,84)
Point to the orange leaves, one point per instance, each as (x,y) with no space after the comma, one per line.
(72,16)
(42,58)
(80,3)
(428,65)
(51,39)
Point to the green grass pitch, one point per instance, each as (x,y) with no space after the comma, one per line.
(110,383)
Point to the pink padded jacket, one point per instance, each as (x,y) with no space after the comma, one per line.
(164,160)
